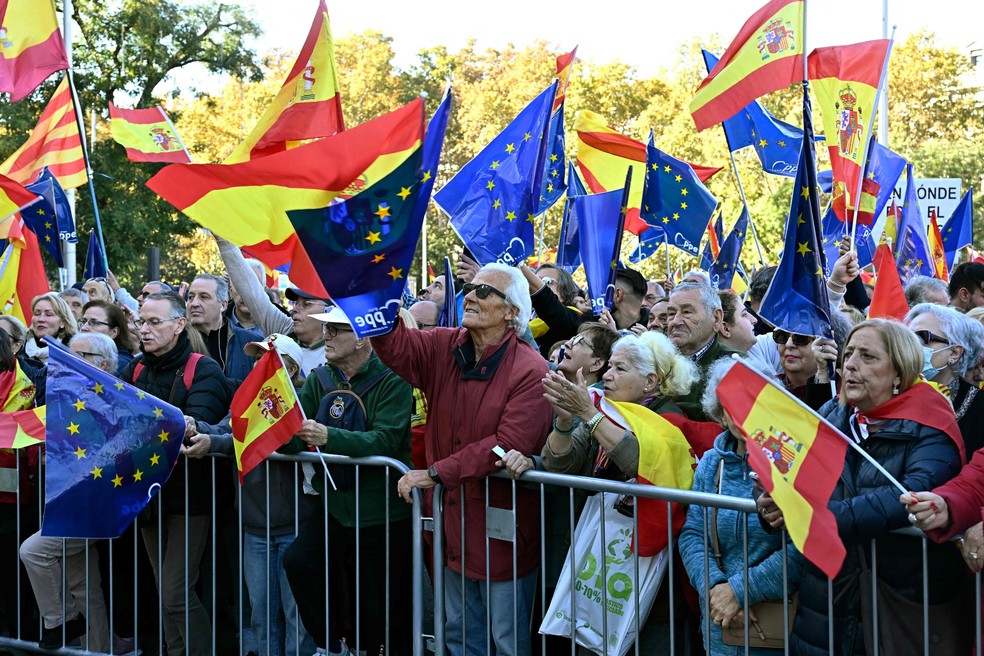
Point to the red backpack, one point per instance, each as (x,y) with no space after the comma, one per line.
(187,378)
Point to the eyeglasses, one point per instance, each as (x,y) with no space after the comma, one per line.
(87,355)
(781,337)
(92,322)
(548,280)
(332,330)
(425,326)
(578,339)
(153,323)
(927,337)
(303,303)
(481,291)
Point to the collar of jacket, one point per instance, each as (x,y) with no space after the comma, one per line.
(464,355)
(174,358)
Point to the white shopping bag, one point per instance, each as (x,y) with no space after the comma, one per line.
(587,594)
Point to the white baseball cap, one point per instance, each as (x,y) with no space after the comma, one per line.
(285,345)
(334,315)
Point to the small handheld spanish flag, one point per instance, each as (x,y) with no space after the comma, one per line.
(147,134)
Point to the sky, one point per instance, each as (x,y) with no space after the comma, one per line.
(638,32)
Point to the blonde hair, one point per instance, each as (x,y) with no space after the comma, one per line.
(654,353)
(64,312)
(903,348)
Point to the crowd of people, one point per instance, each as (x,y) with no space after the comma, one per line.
(523,383)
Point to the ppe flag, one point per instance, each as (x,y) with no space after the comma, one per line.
(798,456)
(493,200)
(95,259)
(912,249)
(265,412)
(31,46)
(957,231)
(147,134)
(776,143)
(110,448)
(722,272)
(569,249)
(22,428)
(51,218)
(765,56)
(600,220)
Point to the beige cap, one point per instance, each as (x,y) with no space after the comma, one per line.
(285,345)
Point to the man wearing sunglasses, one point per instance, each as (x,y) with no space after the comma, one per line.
(483,385)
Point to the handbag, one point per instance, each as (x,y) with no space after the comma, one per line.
(767,630)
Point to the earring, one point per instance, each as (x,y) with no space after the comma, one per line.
(895,389)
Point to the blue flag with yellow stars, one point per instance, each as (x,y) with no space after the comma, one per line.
(884,168)
(50,218)
(674,201)
(912,253)
(834,230)
(796,300)
(110,447)
(95,259)
(493,200)
(366,244)
(601,221)
(724,268)
(569,249)
(553,185)
(777,143)
(958,230)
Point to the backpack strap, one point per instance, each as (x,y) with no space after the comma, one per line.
(189,370)
(137,369)
(323,374)
(367,385)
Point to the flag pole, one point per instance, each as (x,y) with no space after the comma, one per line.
(167,119)
(666,243)
(543,229)
(69,248)
(741,190)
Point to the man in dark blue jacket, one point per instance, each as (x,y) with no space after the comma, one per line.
(208,297)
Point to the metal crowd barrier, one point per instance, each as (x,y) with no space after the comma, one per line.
(567,486)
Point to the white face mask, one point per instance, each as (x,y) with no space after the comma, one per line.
(929,372)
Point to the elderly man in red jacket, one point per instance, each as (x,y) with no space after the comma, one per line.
(483,385)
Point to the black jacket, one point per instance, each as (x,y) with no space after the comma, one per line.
(208,401)
(867,508)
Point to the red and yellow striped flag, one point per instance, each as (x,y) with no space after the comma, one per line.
(265,412)
(564,65)
(147,134)
(797,455)
(936,250)
(846,79)
(31,46)
(309,104)
(22,275)
(765,56)
(22,428)
(54,143)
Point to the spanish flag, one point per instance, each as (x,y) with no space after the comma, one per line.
(846,79)
(798,457)
(604,155)
(13,198)
(309,104)
(147,134)
(22,275)
(22,428)
(936,250)
(247,203)
(31,46)
(54,143)
(265,412)
(765,56)
(564,65)
(16,391)
(888,298)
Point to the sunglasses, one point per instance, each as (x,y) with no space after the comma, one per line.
(927,337)
(781,337)
(481,291)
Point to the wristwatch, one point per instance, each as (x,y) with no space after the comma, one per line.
(432,472)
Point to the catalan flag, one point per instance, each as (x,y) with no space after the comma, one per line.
(21,428)
(888,298)
(798,456)
(22,276)
(603,156)
(309,103)
(147,134)
(765,56)
(265,412)
(247,203)
(31,46)
(54,143)
(846,81)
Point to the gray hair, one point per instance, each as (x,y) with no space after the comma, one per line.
(517,294)
(178,307)
(654,353)
(19,333)
(221,285)
(918,288)
(708,296)
(697,273)
(715,373)
(957,328)
(101,345)
(71,291)
(258,269)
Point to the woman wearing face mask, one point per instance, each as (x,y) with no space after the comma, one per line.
(950,344)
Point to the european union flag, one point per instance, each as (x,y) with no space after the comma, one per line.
(776,142)
(796,300)
(834,229)
(367,243)
(449,311)
(884,167)
(95,259)
(553,185)
(707,255)
(912,254)
(569,249)
(958,231)
(50,218)
(601,221)
(674,201)
(493,200)
(110,448)
(722,272)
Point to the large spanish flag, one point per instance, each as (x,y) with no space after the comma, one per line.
(22,428)
(309,104)
(147,134)
(765,56)
(603,157)
(22,275)
(247,203)
(798,456)
(54,143)
(846,79)
(265,412)
(31,46)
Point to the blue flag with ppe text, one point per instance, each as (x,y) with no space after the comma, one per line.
(912,253)
(569,249)
(724,268)
(600,220)
(51,217)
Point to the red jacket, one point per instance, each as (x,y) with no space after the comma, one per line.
(964,498)
(472,408)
